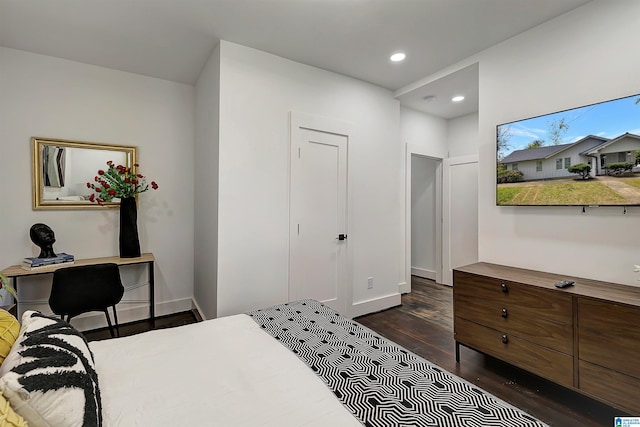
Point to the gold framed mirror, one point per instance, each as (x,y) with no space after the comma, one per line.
(61,170)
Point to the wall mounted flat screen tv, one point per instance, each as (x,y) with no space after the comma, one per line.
(585,156)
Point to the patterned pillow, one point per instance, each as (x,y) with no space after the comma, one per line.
(49,376)
(9,330)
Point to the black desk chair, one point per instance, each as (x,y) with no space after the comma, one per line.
(85,288)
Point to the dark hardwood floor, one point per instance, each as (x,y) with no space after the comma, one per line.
(133,328)
(424,325)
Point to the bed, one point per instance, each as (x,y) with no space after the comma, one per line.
(295,364)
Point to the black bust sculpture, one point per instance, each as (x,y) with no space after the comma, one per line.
(43,236)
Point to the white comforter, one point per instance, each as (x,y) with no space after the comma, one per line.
(222,372)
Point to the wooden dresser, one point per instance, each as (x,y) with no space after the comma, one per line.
(585,337)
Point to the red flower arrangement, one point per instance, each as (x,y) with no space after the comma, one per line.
(118,182)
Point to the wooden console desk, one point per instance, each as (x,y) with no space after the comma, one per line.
(15,272)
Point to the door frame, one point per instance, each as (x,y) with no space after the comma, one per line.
(298,120)
(411,150)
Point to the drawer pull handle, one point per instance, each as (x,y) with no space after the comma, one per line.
(505,339)
(504,313)
(504,287)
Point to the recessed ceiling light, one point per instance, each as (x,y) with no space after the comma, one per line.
(429,98)
(458,98)
(398,56)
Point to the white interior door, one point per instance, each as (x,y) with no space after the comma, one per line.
(318,216)
(460,214)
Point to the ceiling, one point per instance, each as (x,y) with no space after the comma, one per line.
(172,39)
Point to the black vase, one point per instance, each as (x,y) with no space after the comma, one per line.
(129,242)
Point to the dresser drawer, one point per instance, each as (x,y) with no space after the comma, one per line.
(532,301)
(617,389)
(542,361)
(609,335)
(512,319)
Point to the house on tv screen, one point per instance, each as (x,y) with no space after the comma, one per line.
(553,161)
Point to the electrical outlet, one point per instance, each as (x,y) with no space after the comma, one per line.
(370,283)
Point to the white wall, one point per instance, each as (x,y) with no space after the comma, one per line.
(206,187)
(427,132)
(257,92)
(462,135)
(580,58)
(50,97)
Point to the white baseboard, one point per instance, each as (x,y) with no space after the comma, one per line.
(197,307)
(127,312)
(175,306)
(374,305)
(404,287)
(423,272)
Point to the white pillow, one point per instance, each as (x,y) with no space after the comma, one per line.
(49,376)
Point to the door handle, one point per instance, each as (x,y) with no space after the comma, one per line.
(342,237)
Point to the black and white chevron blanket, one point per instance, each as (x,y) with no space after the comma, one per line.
(379,382)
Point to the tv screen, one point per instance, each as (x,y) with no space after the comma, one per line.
(585,156)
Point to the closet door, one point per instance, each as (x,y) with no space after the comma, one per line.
(460,214)
(318,235)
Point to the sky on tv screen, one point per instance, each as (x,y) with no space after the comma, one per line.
(608,119)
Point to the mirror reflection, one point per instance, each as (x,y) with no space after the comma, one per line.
(61,170)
